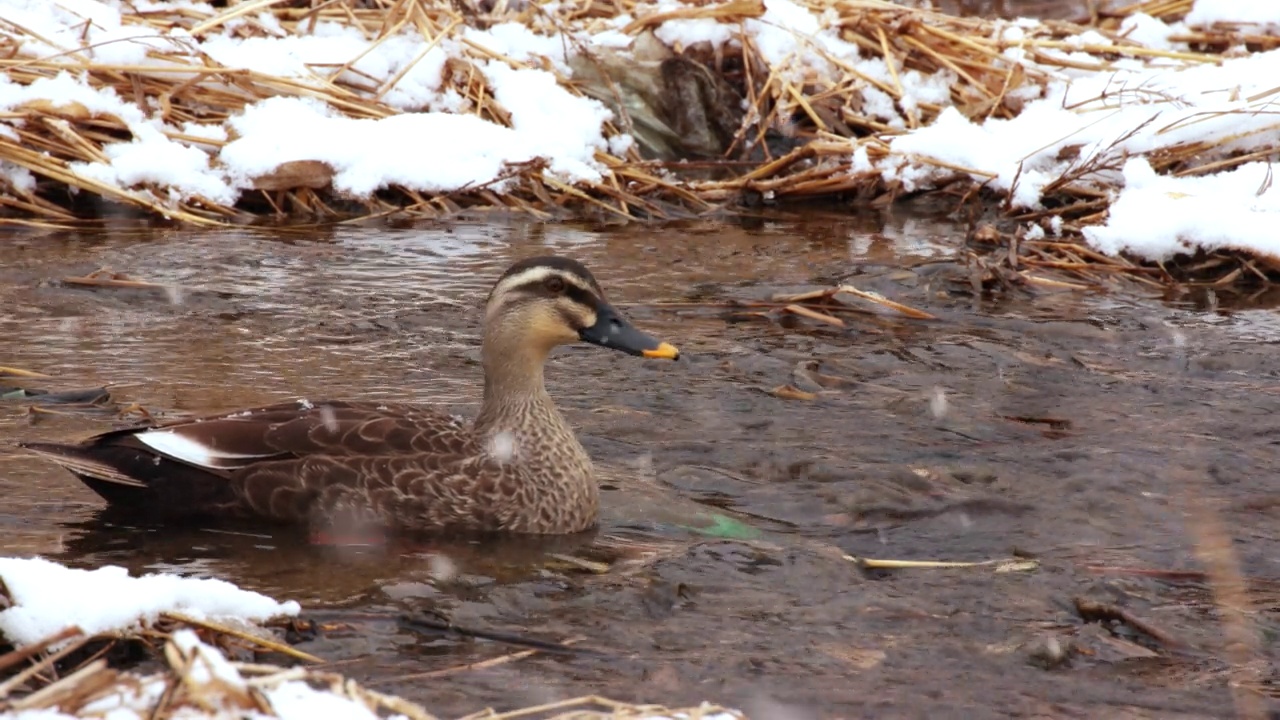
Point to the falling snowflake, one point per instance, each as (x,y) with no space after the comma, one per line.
(938,403)
(329,419)
(441,568)
(503,446)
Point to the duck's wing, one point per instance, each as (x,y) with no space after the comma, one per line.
(188,466)
(436,491)
(234,440)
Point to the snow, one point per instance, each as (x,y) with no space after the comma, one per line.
(429,146)
(20,178)
(296,700)
(519,43)
(705,713)
(94,29)
(128,702)
(48,598)
(222,692)
(790,37)
(68,92)
(207,663)
(1090,125)
(1261,15)
(1158,215)
(1093,125)
(429,152)
(1147,31)
(154,158)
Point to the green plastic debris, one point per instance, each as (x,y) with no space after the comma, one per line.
(723,526)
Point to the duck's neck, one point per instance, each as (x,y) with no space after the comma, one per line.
(513,384)
(521,425)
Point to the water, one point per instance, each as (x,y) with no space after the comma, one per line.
(1077,428)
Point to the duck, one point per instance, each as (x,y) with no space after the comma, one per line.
(518,467)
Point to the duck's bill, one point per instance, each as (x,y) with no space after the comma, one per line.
(613,331)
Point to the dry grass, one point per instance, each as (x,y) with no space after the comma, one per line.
(793,142)
(74,674)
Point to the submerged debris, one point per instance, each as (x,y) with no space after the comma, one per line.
(41,402)
(107,278)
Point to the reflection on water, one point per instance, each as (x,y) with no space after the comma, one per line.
(285,562)
(1066,415)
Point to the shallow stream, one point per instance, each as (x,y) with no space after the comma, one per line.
(1097,434)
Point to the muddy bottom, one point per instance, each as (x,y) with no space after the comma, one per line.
(1107,437)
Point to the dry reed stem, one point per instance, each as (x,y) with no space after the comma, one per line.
(18,680)
(1237,615)
(187,686)
(478,665)
(192,688)
(186,86)
(256,640)
(595,707)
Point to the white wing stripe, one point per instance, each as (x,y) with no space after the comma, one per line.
(189,451)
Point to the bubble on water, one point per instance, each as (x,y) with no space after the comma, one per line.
(938,403)
(503,446)
(176,294)
(965,521)
(441,567)
(1179,339)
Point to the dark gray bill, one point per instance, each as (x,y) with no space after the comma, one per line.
(612,331)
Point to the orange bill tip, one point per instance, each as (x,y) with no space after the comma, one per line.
(665,351)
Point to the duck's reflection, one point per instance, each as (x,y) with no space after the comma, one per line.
(289,564)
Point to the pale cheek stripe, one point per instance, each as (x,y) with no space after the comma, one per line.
(537,274)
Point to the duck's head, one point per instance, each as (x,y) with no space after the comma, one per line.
(542,302)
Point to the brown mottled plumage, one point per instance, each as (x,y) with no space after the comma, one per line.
(517,468)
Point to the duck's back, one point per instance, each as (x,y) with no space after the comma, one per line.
(291,462)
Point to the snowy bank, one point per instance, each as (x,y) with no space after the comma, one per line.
(43,603)
(43,598)
(200,683)
(213,115)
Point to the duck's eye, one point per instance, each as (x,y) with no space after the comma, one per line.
(554,285)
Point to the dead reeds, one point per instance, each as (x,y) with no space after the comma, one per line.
(795,140)
(197,676)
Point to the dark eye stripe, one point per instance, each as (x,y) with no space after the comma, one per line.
(580,296)
(575,293)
